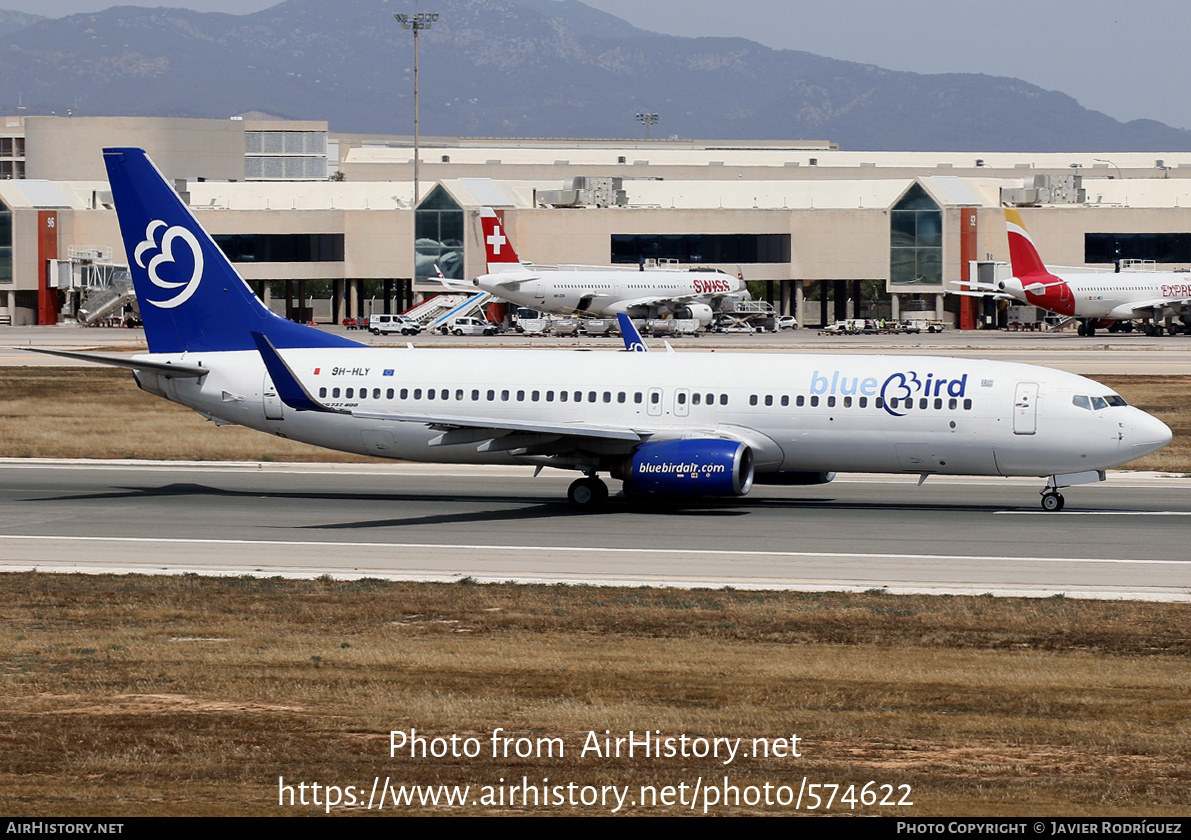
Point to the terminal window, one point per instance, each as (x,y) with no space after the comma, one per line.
(281,247)
(916,240)
(701,248)
(1107,248)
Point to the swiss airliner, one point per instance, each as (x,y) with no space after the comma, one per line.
(668,425)
(1095,298)
(601,291)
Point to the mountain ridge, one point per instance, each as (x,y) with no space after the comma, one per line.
(526,68)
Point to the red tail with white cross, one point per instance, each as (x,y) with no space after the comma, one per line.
(501,256)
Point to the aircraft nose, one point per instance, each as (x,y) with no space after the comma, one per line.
(1149,434)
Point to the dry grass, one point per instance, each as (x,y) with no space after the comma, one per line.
(100,413)
(130,695)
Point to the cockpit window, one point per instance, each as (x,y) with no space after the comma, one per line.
(1097,403)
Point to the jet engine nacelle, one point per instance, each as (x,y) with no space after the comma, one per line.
(701,312)
(708,467)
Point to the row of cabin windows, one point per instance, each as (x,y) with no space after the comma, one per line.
(655,397)
(862,402)
(505,395)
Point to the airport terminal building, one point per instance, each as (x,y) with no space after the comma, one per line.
(327,225)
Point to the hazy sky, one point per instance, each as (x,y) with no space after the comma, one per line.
(1116,57)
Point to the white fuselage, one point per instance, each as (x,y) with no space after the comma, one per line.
(609,291)
(797,412)
(1106,295)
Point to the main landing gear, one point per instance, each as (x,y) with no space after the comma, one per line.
(587,493)
(1052,500)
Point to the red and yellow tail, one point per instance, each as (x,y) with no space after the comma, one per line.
(1023,256)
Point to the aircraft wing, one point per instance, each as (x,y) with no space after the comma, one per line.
(457,429)
(625,305)
(498,426)
(1160,303)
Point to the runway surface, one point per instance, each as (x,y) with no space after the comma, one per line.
(1123,538)
(1105,353)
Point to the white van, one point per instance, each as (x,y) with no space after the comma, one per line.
(468,326)
(388,324)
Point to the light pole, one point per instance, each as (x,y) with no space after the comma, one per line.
(648,119)
(1110,163)
(417,22)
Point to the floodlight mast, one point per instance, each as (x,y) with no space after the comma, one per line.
(648,119)
(416,22)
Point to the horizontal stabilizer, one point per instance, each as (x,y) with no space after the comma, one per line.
(171,368)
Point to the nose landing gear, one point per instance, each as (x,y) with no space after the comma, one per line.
(1052,499)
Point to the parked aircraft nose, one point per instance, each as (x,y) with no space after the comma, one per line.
(1149,434)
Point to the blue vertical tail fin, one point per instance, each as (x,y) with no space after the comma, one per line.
(191,297)
(628,331)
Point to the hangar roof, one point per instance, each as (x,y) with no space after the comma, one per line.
(1087,164)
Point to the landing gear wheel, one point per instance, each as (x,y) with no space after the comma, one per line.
(1082,329)
(587,493)
(1052,501)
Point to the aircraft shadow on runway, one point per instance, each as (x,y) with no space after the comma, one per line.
(523,508)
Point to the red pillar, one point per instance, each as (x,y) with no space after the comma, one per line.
(47,249)
(968,314)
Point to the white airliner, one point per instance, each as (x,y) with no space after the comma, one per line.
(600,291)
(1096,298)
(669,425)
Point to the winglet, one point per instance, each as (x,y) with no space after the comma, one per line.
(291,391)
(632,339)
